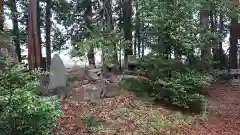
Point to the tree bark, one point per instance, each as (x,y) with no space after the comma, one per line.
(88,15)
(1,15)
(233,38)
(233,45)
(16,38)
(135,43)
(142,47)
(120,16)
(206,48)
(34,50)
(221,55)
(127,21)
(214,41)
(48,33)
(39,33)
(107,7)
(137,37)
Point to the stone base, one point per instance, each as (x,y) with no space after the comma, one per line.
(100,90)
(111,90)
(235,82)
(91,92)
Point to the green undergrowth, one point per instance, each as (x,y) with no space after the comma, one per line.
(22,110)
(141,86)
(179,86)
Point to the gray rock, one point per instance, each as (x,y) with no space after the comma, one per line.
(111,90)
(94,74)
(91,92)
(132,59)
(57,77)
(85,82)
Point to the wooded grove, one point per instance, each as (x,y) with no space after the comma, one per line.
(186,51)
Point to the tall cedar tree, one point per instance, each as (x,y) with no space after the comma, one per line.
(233,40)
(48,33)
(16,39)
(1,14)
(127,21)
(88,16)
(107,7)
(205,49)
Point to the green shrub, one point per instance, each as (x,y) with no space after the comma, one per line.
(157,67)
(185,91)
(141,86)
(197,103)
(173,82)
(22,111)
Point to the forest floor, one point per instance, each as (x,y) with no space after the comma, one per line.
(224,116)
(128,115)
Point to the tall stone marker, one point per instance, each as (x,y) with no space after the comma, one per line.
(58,77)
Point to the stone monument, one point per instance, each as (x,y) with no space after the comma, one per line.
(58,78)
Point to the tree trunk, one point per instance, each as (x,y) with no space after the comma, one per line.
(205,49)
(214,41)
(88,16)
(91,59)
(127,21)
(48,33)
(34,49)
(16,38)
(137,37)
(120,16)
(107,5)
(39,33)
(233,45)
(1,15)
(143,47)
(221,55)
(135,43)
(142,43)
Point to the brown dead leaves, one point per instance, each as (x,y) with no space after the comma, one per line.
(125,115)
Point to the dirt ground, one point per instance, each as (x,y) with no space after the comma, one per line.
(125,115)
(224,116)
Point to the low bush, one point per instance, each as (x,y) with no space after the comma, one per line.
(174,84)
(185,90)
(22,111)
(141,86)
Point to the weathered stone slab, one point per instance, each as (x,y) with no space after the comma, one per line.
(80,73)
(94,73)
(111,90)
(91,92)
(235,74)
(58,76)
(235,82)
(84,73)
(132,62)
(235,71)
(132,59)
